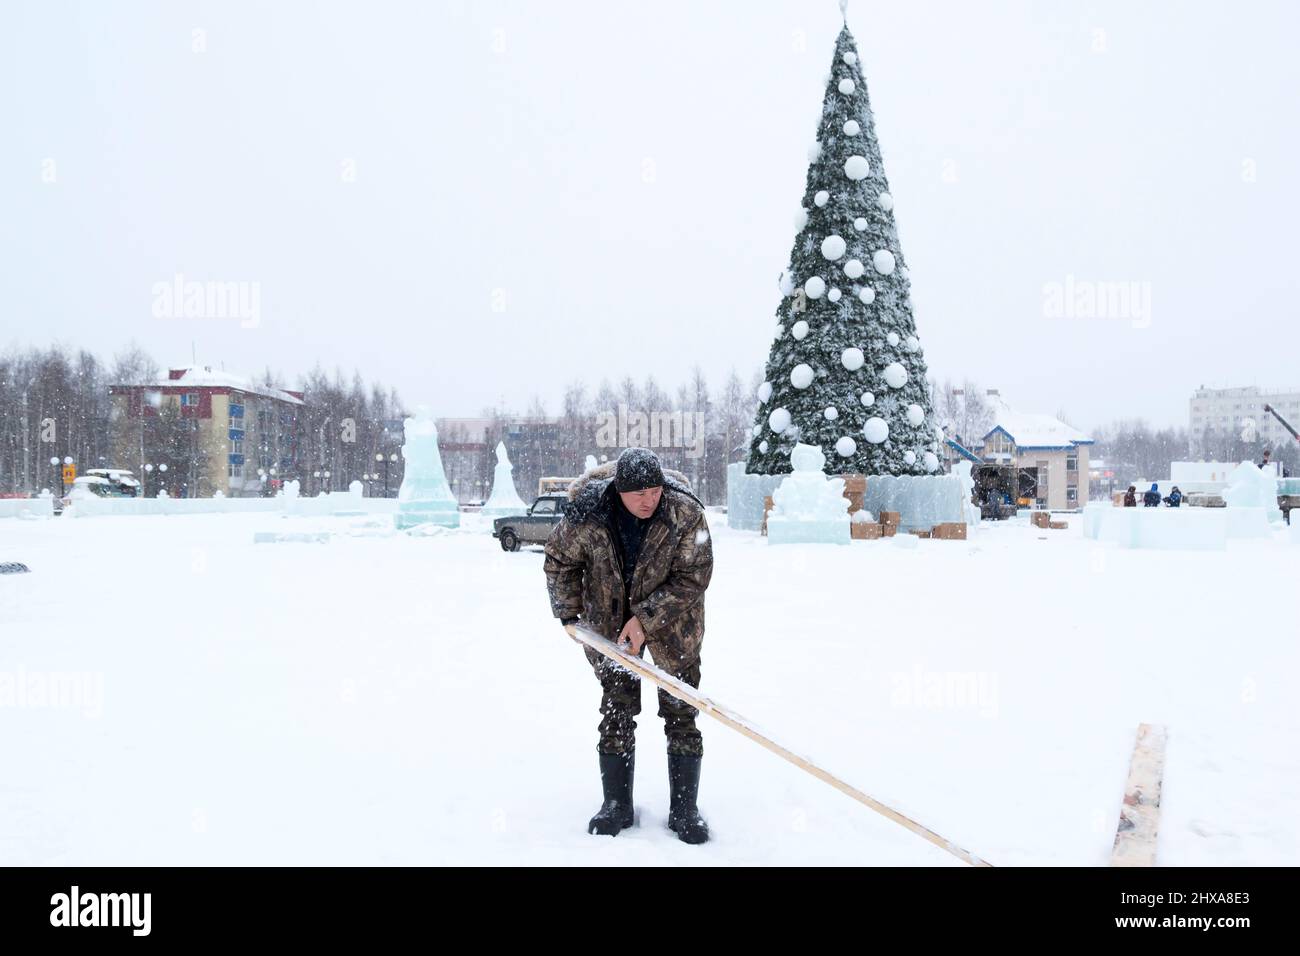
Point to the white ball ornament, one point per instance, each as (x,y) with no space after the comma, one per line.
(831,413)
(931,461)
(852,358)
(756,429)
(851,128)
(886,201)
(833,247)
(857,167)
(814,287)
(764,392)
(868,399)
(892,339)
(860,223)
(798,330)
(883,260)
(801,375)
(867,295)
(822,198)
(895,375)
(850,57)
(909,457)
(833,295)
(854,268)
(912,344)
(915,415)
(875,430)
(847,86)
(846,447)
(762,446)
(779,420)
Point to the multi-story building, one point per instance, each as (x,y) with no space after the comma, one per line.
(1223,413)
(216,431)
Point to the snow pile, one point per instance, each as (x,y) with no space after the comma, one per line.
(808,507)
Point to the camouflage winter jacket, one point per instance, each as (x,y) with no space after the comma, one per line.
(584,574)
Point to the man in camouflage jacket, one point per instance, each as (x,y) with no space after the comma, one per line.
(631,561)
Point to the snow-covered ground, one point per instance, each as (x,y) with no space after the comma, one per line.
(408,699)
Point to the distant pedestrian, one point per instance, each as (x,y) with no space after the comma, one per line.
(1130,497)
(1151,499)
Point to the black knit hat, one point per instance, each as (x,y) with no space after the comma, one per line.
(638,469)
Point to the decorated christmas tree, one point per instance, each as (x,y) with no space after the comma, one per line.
(846,371)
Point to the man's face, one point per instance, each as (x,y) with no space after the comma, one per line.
(642,503)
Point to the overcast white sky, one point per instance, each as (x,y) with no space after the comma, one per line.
(627,176)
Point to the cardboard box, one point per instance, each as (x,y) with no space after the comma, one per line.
(950,531)
(865,531)
(890,517)
(888,530)
(855,484)
(1058,525)
(1040,519)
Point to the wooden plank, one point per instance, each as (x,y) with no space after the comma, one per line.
(1139,815)
(686,692)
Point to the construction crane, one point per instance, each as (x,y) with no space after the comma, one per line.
(1285,424)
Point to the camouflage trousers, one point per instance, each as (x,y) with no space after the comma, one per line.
(620,702)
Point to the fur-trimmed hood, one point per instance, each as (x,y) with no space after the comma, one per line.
(590,494)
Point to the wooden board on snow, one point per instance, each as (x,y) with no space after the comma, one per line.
(1139,815)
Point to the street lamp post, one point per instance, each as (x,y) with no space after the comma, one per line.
(379,456)
(149,470)
(58,471)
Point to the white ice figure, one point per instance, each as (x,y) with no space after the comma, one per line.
(809,507)
(1251,499)
(504,500)
(425,497)
(963,472)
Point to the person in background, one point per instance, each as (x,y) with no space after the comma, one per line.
(1174,498)
(1130,497)
(1151,499)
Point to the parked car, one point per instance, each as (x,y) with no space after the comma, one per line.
(122,481)
(545,513)
(101,487)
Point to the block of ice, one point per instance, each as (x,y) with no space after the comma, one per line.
(808,507)
(504,500)
(1167,529)
(425,497)
(745,496)
(1251,487)
(922,501)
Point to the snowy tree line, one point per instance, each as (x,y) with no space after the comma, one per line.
(1136,451)
(55,402)
(693,428)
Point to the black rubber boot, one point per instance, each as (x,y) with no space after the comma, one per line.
(684,788)
(615,814)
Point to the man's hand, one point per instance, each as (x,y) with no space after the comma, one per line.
(633,634)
